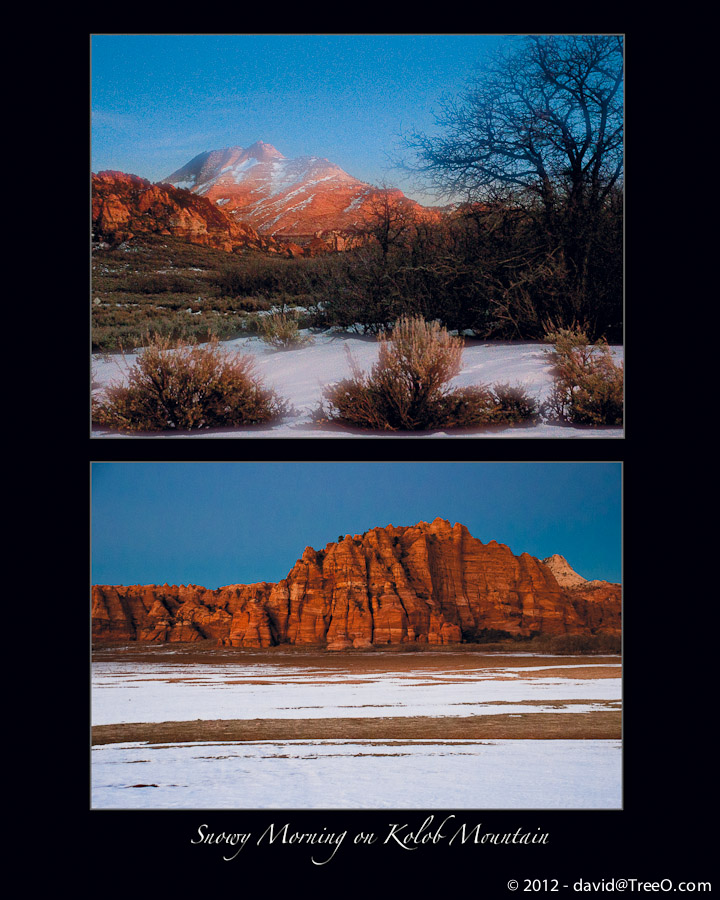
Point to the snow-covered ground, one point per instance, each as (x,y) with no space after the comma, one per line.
(300,376)
(498,774)
(351,774)
(126,692)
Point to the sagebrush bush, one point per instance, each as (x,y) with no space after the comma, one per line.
(407,389)
(185,385)
(405,384)
(588,384)
(281,330)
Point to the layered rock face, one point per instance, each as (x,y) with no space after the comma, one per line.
(426,584)
(598,602)
(125,206)
(302,199)
(564,574)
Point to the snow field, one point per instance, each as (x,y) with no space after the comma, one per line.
(125,692)
(502,774)
(349,774)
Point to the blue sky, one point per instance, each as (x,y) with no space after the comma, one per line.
(214,524)
(159,100)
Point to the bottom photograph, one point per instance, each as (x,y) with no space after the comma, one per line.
(356,636)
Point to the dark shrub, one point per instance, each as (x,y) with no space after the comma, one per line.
(156,283)
(486,635)
(577,643)
(513,404)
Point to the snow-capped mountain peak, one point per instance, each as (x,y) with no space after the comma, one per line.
(295,197)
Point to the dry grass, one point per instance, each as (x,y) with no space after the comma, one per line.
(387,659)
(603,724)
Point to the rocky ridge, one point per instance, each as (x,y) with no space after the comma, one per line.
(126,206)
(423,584)
(564,574)
(598,601)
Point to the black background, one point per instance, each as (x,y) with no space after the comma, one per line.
(666,828)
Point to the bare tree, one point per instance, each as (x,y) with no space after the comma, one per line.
(389,218)
(547,118)
(544,128)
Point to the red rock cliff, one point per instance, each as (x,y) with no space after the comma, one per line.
(126,206)
(427,584)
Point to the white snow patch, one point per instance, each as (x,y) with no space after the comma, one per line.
(499,774)
(356,203)
(302,205)
(346,774)
(239,169)
(127,692)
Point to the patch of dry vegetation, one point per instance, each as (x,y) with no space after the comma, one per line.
(406,389)
(282,331)
(603,724)
(588,385)
(165,285)
(183,385)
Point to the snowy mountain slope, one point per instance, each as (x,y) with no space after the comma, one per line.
(297,198)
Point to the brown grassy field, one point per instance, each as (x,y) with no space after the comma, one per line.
(397,659)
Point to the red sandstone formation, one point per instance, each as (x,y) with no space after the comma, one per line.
(425,584)
(127,206)
(598,602)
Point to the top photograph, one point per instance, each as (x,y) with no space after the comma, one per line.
(356,236)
